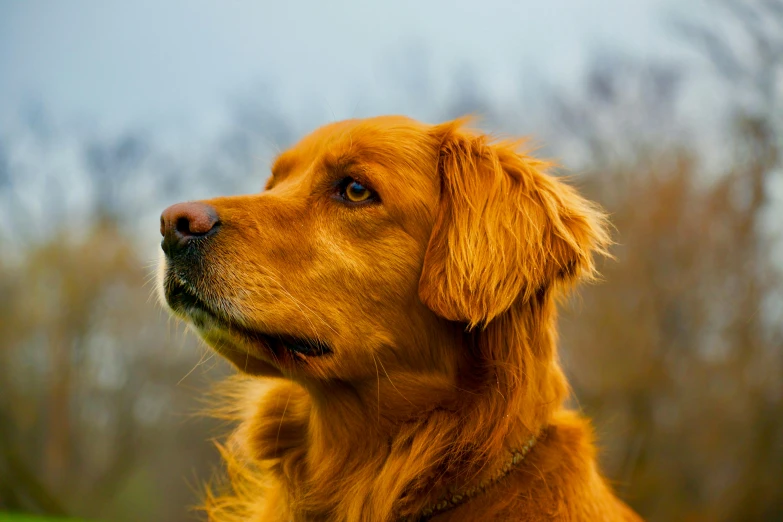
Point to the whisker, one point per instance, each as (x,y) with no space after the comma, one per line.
(282,417)
(299,305)
(392,382)
(378,375)
(204,357)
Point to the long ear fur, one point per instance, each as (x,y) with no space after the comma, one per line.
(504,229)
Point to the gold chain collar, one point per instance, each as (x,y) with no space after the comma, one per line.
(455,498)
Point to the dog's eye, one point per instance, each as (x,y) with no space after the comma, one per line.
(355,192)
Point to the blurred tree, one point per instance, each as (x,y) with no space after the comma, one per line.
(113,167)
(87,381)
(679,353)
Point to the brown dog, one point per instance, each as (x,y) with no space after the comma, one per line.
(391,295)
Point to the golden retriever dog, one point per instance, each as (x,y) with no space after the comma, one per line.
(390,300)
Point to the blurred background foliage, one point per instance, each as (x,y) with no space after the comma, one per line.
(677,355)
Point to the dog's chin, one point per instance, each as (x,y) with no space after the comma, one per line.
(252,352)
(253,356)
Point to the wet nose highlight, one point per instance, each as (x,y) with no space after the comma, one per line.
(184,221)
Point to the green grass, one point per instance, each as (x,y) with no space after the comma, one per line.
(11,517)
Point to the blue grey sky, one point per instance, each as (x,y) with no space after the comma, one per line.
(147,62)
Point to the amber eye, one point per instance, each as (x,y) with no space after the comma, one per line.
(356,192)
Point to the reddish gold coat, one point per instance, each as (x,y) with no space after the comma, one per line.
(438,299)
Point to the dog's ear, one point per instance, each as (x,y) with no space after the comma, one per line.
(504,229)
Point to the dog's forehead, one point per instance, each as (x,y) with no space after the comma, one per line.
(380,138)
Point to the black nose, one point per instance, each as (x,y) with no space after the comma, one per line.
(184,221)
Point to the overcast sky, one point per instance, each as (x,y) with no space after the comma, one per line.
(157,62)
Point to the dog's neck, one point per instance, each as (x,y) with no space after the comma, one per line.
(455,495)
(375,452)
(399,454)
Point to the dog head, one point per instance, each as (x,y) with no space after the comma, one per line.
(373,245)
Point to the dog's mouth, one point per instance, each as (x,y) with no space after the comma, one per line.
(182,298)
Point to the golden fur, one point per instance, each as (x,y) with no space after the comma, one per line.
(438,300)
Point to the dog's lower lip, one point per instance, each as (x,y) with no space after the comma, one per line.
(297,345)
(183,299)
(307,347)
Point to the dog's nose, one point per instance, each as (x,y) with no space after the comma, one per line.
(184,221)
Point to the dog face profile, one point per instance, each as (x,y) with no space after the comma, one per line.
(401,278)
(370,240)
